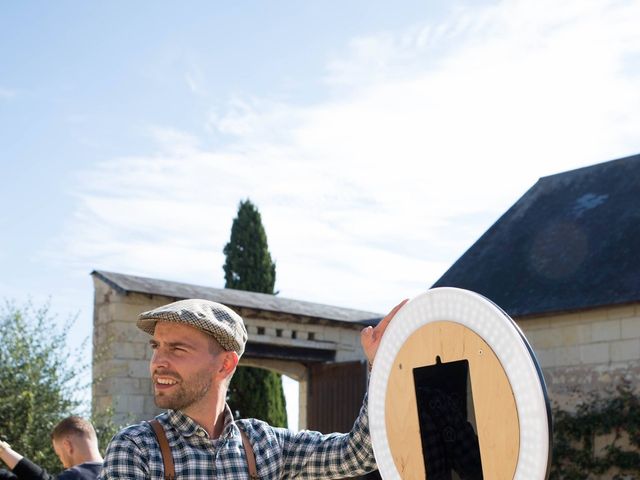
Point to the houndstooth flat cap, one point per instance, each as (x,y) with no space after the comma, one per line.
(218,320)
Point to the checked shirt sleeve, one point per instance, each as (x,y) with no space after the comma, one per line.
(312,455)
(124,459)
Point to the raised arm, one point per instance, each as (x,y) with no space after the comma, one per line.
(312,455)
(23,468)
(9,455)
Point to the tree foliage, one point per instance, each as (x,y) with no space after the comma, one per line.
(248,264)
(36,385)
(253,392)
(39,380)
(258,393)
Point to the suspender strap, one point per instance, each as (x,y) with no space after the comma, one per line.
(167,458)
(165,450)
(251,458)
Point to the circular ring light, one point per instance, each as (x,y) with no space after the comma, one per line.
(509,345)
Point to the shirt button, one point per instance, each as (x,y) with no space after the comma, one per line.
(200,433)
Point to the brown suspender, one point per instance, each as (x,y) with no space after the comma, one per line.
(165,450)
(251,459)
(167,457)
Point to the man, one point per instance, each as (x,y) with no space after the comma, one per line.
(196,347)
(76,444)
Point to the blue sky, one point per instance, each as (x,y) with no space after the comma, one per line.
(378,139)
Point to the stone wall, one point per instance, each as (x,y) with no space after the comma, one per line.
(586,351)
(121,379)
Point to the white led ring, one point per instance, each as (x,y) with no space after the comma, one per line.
(511,348)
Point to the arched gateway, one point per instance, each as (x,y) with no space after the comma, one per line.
(317,345)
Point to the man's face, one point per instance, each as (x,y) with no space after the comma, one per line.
(184,365)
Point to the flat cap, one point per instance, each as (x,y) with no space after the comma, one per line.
(213,318)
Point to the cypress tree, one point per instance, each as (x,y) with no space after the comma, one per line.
(254,392)
(248,264)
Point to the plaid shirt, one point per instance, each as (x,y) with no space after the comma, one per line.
(280,453)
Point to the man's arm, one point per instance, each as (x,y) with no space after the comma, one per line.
(25,469)
(9,455)
(22,467)
(310,455)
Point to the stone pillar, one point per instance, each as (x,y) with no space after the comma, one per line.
(121,354)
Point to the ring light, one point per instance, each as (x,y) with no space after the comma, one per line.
(454,370)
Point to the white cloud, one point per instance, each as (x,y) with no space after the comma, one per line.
(369,196)
(194,81)
(7,93)
(176,141)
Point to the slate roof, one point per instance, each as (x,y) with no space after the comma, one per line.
(235,298)
(572,242)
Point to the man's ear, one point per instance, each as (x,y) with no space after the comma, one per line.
(68,445)
(229,363)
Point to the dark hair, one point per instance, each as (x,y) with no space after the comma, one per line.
(73,426)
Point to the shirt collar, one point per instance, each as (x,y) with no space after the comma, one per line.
(188,427)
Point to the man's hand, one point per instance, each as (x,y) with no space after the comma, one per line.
(370,336)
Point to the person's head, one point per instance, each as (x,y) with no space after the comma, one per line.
(74,441)
(196,348)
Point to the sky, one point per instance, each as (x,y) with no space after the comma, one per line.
(378,139)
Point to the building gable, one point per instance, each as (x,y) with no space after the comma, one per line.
(572,242)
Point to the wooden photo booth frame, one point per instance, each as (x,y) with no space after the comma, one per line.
(455,375)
